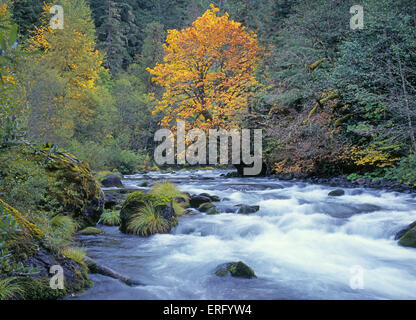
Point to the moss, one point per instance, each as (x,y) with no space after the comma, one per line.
(235,269)
(207,206)
(221,272)
(241,270)
(27,240)
(409,238)
(55,182)
(91,231)
(28,229)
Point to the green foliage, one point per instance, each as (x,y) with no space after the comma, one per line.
(9,288)
(147,222)
(110,218)
(405,171)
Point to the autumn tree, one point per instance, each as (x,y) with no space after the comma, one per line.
(207,72)
(68,59)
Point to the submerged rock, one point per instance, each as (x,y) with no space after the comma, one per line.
(336,193)
(245,209)
(235,269)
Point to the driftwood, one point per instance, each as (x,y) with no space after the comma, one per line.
(94,267)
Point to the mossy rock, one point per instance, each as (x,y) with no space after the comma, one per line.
(134,202)
(37,287)
(409,238)
(29,237)
(207,207)
(235,269)
(91,231)
(67,183)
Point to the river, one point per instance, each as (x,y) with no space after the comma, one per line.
(302,244)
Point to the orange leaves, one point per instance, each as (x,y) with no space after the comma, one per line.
(207,72)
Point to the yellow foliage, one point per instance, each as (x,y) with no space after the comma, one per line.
(207,72)
(370,156)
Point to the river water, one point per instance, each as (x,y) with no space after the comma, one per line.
(302,244)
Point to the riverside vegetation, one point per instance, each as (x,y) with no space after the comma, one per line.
(79,108)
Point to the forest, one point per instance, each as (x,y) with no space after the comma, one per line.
(83,101)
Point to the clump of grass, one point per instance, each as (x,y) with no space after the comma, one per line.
(148,222)
(9,288)
(170,191)
(76,254)
(110,218)
(59,231)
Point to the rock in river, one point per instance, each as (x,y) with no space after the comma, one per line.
(235,269)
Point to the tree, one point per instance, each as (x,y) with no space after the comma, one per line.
(152,52)
(70,55)
(112,39)
(207,72)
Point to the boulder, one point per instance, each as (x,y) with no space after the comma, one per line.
(245,209)
(68,184)
(213,198)
(336,193)
(110,201)
(235,269)
(112,180)
(197,200)
(402,232)
(208,207)
(409,238)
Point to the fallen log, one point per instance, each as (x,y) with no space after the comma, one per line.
(94,267)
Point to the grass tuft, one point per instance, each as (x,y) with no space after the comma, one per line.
(9,288)
(148,222)
(110,218)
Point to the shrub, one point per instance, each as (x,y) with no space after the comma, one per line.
(148,222)
(110,218)
(405,171)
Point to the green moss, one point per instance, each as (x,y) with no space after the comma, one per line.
(91,231)
(33,178)
(221,272)
(208,207)
(409,238)
(241,270)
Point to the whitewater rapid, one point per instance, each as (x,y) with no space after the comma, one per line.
(302,244)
